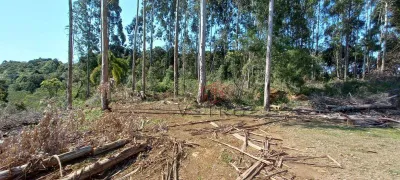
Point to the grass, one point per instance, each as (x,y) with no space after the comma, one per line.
(343,131)
(94,114)
(359,87)
(226,157)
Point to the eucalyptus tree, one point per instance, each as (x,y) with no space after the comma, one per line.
(104,58)
(134,48)
(202,52)
(144,51)
(176,52)
(70,57)
(268,58)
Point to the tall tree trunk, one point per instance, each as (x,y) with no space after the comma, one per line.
(134,48)
(176,55)
(316,41)
(184,50)
(104,57)
(88,60)
(70,57)
(385,29)
(366,53)
(202,52)
(237,26)
(151,32)
(346,57)
(144,51)
(337,63)
(268,58)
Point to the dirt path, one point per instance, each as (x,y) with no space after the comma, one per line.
(364,153)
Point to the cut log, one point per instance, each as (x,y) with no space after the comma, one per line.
(363,107)
(47,163)
(110,146)
(65,157)
(252,171)
(105,164)
(389,119)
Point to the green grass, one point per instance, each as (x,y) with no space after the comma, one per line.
(343,131)
(94,114)
(226,157)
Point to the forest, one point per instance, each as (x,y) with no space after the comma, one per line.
(264,71)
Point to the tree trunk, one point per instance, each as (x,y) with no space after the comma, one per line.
(366,53)
(385,29)
(202,52)
(134,48)
(87,64)
(184,51)
(337,63)
(144,51)
(104,57)
(346,58)
(268,58)
(151,32)
(176,55)
(70,57)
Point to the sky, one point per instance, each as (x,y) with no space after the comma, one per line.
(32,29)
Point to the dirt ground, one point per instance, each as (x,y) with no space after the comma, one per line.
(364,153)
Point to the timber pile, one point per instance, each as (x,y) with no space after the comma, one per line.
(57,161)
(269,163)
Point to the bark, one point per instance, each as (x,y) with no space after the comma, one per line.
(104,57)
(385,29)
(134,48)
(363,107)
(366,53)
(202,52)
(105,164)
(144,51)
(87,63)
(47,163)
(70,57)
(151,33)
(268,58)
(184,51)
(346,57)
(176,55)
(109,146)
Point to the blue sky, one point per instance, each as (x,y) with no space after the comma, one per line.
(37,28)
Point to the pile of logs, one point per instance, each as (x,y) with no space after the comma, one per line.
(55,161)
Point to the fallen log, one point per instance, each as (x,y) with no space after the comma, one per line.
(196,122)
(109,146)
(363,107)
(63,158)
(242,138)
(105,164)
(49,162)
(252,171)
(248,154)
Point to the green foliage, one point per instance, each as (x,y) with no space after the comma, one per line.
(3,91)
(118,69)
(52,86)
(290,68)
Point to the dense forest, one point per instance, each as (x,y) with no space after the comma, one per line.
(312,40)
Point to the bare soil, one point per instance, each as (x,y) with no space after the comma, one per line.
(364,153)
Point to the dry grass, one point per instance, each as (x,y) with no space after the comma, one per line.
(59,132)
